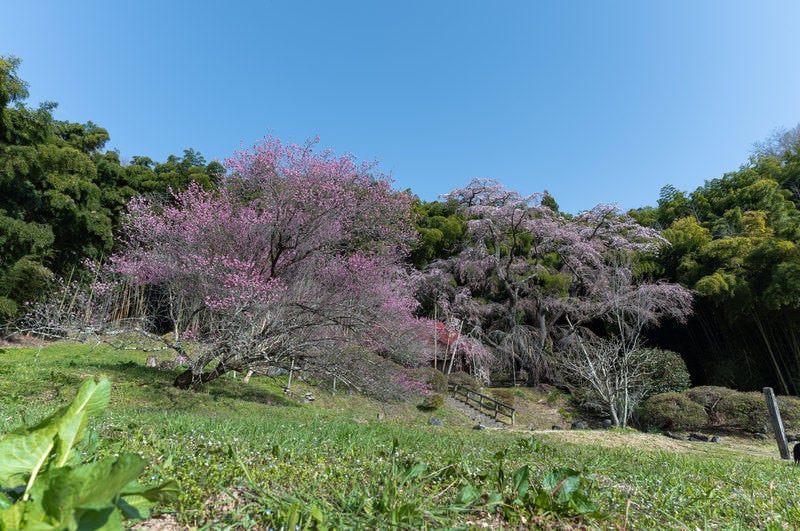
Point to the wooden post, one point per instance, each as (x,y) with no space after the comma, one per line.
(777,422)
(291,372)
(436,337)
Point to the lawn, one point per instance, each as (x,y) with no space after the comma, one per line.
(247,456)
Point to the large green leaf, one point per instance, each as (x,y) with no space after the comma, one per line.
(568,489)
(106,519)
(25,452)
(22,455)
(70,427)
(135,500)
(11,517)
(167,491)
(92,399)
(52,500)
(467,495)
(101,481)
(68,495)
(5,501)
(520,481)
(562,484)
(92,496)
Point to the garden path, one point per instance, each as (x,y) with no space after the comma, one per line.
(478,416)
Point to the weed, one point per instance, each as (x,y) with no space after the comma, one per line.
(44,485)
(432,401)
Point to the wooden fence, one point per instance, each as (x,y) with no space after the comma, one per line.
(484,404)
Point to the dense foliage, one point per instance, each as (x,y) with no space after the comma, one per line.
(295,261)
(713,407)
(734,242)
(520,287)
(557,297)
(61,195)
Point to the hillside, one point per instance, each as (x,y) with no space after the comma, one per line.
(248,456)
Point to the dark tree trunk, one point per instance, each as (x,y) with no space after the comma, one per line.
(189,379)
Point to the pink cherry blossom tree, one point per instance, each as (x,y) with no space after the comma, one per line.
(298,256)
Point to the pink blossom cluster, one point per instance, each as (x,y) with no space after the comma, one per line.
(410,385)
(294,244)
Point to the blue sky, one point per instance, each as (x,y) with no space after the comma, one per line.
(594,101)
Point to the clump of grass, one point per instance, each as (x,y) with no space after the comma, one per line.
(504,395)
(462,379)
(432,402)
(553,396)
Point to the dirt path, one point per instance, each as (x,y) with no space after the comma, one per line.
(655,442)
(18,341)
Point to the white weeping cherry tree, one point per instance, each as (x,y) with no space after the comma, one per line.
(558,296)
(614,371)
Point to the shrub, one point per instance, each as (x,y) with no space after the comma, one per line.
(26,281)
(790,412)
(462,379)
(672,411)
(747,411)
(709,397)
(8,308)
(433,401)
(669,371)
(433,379)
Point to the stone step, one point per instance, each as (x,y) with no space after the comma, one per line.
(478,416)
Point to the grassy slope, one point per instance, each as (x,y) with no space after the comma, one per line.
(246,455)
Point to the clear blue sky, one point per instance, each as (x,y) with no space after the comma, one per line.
(595,101)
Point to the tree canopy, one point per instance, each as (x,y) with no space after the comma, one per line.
(734,242)
(61,195)
(297,260)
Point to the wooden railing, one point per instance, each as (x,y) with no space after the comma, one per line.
(484,404)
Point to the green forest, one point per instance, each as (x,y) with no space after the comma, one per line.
(731,243)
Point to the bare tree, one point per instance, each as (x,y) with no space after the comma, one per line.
(779,143)
(612,372)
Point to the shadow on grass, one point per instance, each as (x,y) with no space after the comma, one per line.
(132,370)
(250,394)
(220,389)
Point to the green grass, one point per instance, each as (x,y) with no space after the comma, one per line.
(247,456)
